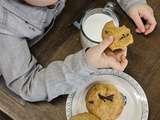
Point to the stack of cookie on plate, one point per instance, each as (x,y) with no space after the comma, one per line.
(104,102)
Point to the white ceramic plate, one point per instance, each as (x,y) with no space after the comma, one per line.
(136,107)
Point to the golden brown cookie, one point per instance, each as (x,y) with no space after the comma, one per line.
(122,35)
(105,101)
(84,116)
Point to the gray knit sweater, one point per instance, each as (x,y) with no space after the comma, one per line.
(22,74)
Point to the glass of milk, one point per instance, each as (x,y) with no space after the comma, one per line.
(93,22)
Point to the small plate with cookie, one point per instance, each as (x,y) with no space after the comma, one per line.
(109,95)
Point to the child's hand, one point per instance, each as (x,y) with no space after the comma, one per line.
(99,57)
(143,11)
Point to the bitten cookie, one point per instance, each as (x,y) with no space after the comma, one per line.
(122,35)
(105,101)
(84,116)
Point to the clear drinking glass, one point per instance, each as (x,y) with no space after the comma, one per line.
(107,10)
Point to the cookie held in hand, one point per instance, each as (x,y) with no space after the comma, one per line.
(84,116)
(105,101)
(122,35)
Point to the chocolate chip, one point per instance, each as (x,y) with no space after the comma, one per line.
(106,31)
(123,35)
(121,38)
(91,102)
(109,97)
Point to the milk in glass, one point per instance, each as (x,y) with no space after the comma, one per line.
(94,24)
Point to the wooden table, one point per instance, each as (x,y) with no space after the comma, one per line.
(143,56)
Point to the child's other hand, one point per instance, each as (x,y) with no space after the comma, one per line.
(99,57)
(143,11)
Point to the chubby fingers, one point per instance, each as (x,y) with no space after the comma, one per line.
(151,23)
(120,53)
(118,65)
(138,21)
(124,62)
(104,45)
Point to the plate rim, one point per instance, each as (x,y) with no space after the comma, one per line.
(125,76)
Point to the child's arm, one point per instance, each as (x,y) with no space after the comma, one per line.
(138,9)
(24,76)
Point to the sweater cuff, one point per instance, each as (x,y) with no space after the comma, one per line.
(76,68)
(90,68)
(126,5)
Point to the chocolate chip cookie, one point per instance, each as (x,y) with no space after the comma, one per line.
(105,101)
(84,116)
(122,35)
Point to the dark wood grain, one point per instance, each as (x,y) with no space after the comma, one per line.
(3,116)
(143,56)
